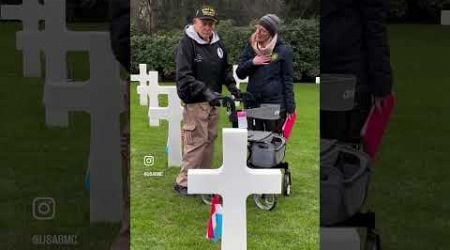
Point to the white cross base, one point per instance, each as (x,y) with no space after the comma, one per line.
(234,181)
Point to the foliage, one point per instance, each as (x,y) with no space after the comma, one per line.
(417,10)
(157,50)
(157,15)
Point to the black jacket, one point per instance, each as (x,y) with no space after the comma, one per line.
(200,66)
(353,40)
(272,83)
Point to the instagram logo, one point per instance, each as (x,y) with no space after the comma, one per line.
(149,160)
(44,208)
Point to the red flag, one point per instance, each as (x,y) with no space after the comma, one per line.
(214,231)
(376,125)
(289,125)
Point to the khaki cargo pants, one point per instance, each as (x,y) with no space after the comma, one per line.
(199,133)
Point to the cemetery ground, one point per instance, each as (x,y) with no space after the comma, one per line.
(37,161)
(410,182)
(163,219)
(409,192)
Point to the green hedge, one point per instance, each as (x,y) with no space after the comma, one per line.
(417,10)
(157,50)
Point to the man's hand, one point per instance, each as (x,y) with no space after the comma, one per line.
(235,92)
(262,60)
(212,97)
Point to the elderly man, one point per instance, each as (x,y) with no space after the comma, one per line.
(201,70)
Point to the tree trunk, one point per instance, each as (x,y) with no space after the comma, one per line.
(152,6)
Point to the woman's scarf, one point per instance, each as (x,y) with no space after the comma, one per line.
(259,50)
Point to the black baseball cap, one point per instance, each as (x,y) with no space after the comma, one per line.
(206,13)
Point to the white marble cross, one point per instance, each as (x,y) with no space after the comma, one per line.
(101,96)
(30,13)
(174,115)
(234,181)
(52,38)
(149,89)
(54,41)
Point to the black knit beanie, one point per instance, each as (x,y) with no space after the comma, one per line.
(271,23)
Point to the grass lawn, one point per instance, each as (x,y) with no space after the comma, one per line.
(37,161)
(161,219)
(411,182)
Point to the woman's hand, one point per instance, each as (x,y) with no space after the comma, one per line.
(261,60)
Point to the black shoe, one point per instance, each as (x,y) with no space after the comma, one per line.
(181,190)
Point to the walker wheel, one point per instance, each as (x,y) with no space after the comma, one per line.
(207,198)
(265,201)
(373,241)
(287,183)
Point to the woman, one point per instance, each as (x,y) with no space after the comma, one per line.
(267,61)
